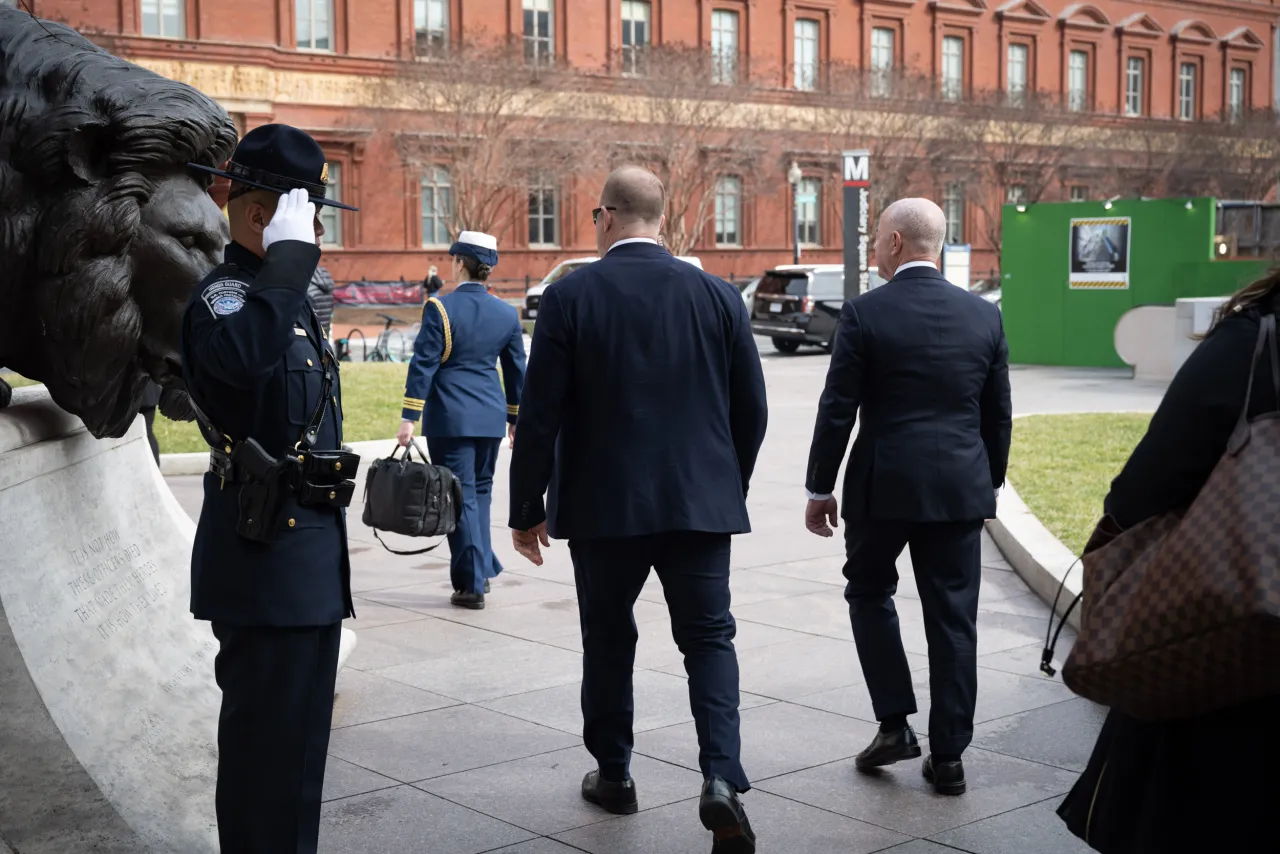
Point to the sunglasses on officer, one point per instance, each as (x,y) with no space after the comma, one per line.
(595,213)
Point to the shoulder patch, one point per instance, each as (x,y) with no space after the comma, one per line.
(225,296)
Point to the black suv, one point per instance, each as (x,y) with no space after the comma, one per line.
(799,305)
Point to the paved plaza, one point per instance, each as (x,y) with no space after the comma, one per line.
(458,732)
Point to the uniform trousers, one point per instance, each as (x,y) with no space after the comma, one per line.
(473,460)
(947,560)
(694,570)
(273,735)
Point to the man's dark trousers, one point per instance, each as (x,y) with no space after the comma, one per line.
(273,735)
(947,560)
(694,571)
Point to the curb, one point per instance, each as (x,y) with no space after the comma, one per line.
(1036,555)
(172,465)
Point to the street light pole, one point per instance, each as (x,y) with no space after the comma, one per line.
(794,176)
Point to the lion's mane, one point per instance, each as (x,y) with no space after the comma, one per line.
(83,137)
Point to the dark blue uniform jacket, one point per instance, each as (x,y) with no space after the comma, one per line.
(252,359)
(453,382)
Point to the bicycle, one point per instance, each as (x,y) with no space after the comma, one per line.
(382,350)
(344,346)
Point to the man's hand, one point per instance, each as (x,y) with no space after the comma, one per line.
(511,435)
(294,220)
(821,516)
(526,542)
(405,434)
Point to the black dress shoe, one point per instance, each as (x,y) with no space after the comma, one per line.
(617,798)
(462,599)
(722,814)
(947,777)
(888,748)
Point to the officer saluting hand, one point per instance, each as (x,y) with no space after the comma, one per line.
(270,567)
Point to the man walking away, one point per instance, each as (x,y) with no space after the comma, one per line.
(927,365)
(644,410)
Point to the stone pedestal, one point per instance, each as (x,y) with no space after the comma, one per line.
(108,706)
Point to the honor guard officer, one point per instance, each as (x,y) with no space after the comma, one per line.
(465,404)
(270,568)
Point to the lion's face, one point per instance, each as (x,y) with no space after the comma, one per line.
(182,237)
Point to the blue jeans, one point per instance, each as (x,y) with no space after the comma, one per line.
(471,558)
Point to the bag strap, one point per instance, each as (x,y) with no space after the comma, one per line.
(1275,360)
(448,331)
(406,554)
(1240,435)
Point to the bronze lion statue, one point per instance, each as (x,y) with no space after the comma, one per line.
(104,231)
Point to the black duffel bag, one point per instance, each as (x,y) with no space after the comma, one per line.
(412,498)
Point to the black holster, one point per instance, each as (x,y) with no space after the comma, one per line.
(266,484)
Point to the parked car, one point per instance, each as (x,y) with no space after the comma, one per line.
(533,296)
(799,304)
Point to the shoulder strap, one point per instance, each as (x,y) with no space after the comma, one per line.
(448,333)
(1266,334)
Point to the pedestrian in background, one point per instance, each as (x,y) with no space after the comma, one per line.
(644,414)
(432,284)
(151,400)
(925,366)
(320,295)
(1206,783)
(465,407)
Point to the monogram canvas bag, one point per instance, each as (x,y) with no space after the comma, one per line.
(1182,613)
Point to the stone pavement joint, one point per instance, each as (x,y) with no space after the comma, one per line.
(459,732)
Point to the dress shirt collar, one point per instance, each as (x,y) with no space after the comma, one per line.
(624,241)
(910,264)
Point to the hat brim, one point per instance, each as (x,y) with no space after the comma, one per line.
(319,200)
(480,253)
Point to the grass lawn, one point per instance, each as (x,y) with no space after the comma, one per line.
(1062,467)
(371,396)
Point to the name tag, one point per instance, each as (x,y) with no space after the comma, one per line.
(298,330)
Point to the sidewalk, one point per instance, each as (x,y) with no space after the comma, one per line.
(459,732)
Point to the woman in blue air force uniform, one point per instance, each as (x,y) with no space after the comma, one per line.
(465,405)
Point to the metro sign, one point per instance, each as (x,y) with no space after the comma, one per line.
(857,169)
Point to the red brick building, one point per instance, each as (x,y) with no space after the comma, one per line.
(971,102)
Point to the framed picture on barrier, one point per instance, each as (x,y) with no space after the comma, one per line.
(1100,253)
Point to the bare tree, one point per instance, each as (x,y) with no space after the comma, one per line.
(677,124)
(494,129)
(1018,152)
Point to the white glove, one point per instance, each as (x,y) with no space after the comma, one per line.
(294,220)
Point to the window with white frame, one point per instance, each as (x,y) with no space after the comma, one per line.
(953,210)
(1235,94)
(1016,194)
(437,206)
(539,31)
(637,30)
(1187,91)
(331,217)
(1079,193)
(1135,76)
(952,68)
(806,54)
(544,214)
(163,18)
(809,211)
(431,26)
(729,211)
(315,24)
(724,47)
(882,39)
(1016,74)
(1077,81)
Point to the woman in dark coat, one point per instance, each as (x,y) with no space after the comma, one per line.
(1211,783)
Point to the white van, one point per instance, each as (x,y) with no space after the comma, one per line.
(533,296)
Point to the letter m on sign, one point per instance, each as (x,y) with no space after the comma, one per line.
(857,169)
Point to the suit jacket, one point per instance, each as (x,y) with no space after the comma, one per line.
(252,359)
(645,402)
(926,366)
(453,382)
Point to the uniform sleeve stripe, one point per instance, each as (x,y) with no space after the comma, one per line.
(408,399)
